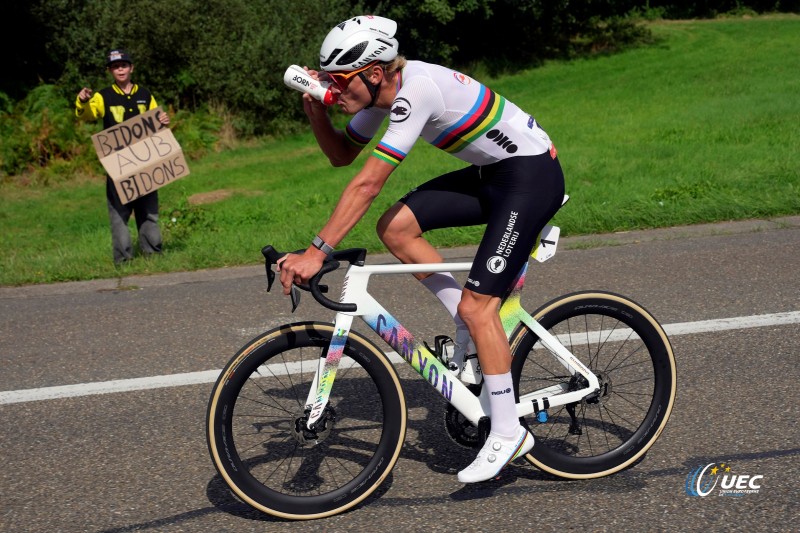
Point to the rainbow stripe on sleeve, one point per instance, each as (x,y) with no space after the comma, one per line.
(388,153)
(484,114)
(355,138)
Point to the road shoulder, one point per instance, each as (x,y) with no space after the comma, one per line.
(568,243)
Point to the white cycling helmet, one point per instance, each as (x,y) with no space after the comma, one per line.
(357,42)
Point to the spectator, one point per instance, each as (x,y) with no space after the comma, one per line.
(115,104)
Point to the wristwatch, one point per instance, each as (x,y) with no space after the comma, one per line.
(322,245)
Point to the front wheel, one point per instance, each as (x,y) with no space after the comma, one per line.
(630,354)
(257,432)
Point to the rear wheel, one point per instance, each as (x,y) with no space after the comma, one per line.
(631,356)
(257,414)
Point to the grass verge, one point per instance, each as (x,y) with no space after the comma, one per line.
(700,127)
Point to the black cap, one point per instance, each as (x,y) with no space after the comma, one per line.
(118,55)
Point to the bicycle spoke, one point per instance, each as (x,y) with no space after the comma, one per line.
(614,340)
(631,382)
(552,374)
(610,411)
(605,433)
(586,426)
(607,369)
(274,403)
(271,374)
(628,393)
(639,407)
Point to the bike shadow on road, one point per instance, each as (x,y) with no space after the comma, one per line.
(223,500)
(515,479)
(433,447)
(428,446)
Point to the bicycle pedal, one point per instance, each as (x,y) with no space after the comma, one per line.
(441,343)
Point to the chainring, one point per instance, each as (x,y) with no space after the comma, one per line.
(459,428)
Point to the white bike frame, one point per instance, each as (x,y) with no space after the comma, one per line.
(472,407)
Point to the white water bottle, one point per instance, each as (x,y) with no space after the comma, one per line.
(298,79)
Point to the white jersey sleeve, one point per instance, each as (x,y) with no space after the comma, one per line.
(452,112)
(418,103)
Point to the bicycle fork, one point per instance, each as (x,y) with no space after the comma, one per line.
(321,386)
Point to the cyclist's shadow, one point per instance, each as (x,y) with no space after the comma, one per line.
(427,442)
(221,497)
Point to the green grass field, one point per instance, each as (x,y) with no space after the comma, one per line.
(702,126)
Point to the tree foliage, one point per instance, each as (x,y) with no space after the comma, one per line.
(227,57)
(191,53)
(232,53)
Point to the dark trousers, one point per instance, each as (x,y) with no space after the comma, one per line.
(145,209)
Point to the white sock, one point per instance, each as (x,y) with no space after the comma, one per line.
(502,405)
(445,287)
(463,343)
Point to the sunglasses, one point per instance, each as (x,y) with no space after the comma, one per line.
(343,79)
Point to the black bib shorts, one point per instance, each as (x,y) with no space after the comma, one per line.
(515,198)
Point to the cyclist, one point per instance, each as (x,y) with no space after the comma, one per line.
(514,185)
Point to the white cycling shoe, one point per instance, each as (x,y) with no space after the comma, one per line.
(496,453)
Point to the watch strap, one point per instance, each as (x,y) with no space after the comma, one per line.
(318,243)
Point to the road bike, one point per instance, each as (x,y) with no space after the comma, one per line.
(308,419)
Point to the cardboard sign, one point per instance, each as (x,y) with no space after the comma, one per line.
(141,155)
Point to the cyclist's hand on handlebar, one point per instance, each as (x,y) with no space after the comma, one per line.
(296,268)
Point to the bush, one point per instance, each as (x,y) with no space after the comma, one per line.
(39,130)
(231,54)
(201,132)
(42,141)
(219,65)
(217,53)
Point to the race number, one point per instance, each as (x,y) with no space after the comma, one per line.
(548,240)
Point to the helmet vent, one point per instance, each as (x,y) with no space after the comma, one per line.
(330,57)
(352,55)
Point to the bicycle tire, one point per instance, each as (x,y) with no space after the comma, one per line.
(627,348)
(255,420)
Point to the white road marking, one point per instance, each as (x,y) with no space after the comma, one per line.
(210,376)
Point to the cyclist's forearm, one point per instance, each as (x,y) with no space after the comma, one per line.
(355,200)
(334,146)
(332,141)
(353,204)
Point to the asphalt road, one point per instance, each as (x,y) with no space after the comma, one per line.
(137,460)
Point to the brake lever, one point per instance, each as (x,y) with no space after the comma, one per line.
(295,296)
(294,292)
(270,277)
(272,256)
